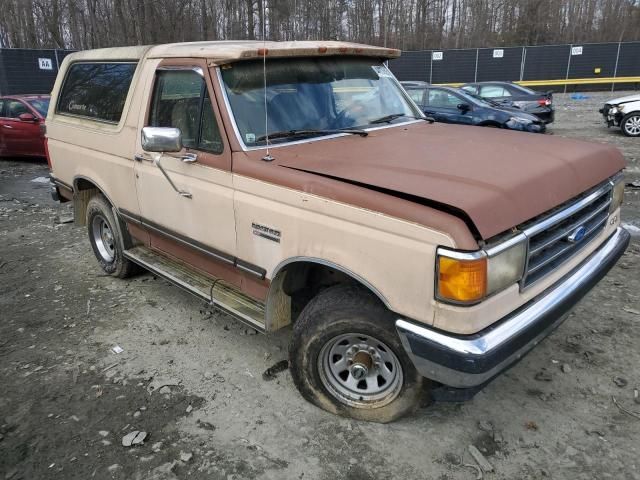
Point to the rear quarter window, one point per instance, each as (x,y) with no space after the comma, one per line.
(96,90)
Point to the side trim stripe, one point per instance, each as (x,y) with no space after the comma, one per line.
(218,255)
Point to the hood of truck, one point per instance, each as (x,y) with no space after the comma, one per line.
(497,179)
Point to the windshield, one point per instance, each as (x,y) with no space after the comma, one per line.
(40,104)
(312,94)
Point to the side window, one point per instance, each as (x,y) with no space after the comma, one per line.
(96,90)
(181,100)
(16,108)
(417,95)
(471,89)
(442,99)
(494,91)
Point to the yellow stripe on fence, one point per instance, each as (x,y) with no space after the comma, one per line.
(568,81)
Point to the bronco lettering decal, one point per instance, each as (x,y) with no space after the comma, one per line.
(266,232)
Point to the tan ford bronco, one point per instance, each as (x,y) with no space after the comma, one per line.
(298,184)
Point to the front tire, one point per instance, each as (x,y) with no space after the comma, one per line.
(346,358)
(105,238)
(630,124)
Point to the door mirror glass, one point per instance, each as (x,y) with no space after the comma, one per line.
(464,107)
(26,117)
(161,139)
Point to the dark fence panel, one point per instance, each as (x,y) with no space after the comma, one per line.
(455,66)
(499,64)
(411,66)
(29,70)
(546,63)
(629,61)
(594,56)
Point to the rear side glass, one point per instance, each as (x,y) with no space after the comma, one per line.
(1,108)
(494,91)
(96,90)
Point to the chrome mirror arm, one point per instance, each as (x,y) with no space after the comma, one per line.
(156,161)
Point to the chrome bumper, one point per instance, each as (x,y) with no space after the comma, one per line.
(464,361)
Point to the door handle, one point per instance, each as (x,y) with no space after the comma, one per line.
(7,126)
(189,158)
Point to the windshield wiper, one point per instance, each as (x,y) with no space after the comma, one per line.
(393,116)
(297,133)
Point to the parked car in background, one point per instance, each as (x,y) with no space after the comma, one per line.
(452,105)
(623,112)
(539,104)
(21,121)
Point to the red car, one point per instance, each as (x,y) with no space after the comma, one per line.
(21,121)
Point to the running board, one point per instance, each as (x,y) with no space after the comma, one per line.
(211,290)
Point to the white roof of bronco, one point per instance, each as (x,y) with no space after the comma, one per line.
(221,52)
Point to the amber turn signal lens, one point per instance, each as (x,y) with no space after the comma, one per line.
(462,280)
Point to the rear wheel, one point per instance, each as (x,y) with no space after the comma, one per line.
(631,124)
(105,238)
(346,358)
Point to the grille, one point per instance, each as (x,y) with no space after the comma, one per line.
(558,236)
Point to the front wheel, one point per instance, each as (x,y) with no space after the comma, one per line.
(630,124)
(346,358)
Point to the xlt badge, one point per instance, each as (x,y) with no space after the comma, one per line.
(266,232)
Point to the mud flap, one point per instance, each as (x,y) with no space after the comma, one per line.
(80,202)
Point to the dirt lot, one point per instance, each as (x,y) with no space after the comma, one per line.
(192,378)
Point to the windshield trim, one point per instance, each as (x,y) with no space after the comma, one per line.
(245,148)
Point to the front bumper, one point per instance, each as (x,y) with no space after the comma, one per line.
(611,119)
(464,361)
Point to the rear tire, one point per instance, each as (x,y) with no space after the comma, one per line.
(346,358)
(630,124)
(105,238)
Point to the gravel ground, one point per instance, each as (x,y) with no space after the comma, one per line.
(191,378)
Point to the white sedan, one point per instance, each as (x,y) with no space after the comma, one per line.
(625,113)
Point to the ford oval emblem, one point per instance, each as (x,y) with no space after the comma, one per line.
(577,235)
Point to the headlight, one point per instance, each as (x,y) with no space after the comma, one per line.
(516,123)
(523,121)
(467,278)
(617,194)
(613,110)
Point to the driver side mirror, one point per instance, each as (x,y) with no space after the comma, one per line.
(464,107)
(161,139)
(27,117)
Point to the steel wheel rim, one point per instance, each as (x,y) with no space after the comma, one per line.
(632,125)
(103,238)
(360,370)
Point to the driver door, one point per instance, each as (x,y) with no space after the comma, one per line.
(19,136)
(188,208)
(442,105)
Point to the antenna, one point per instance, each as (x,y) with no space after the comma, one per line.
(267,157)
